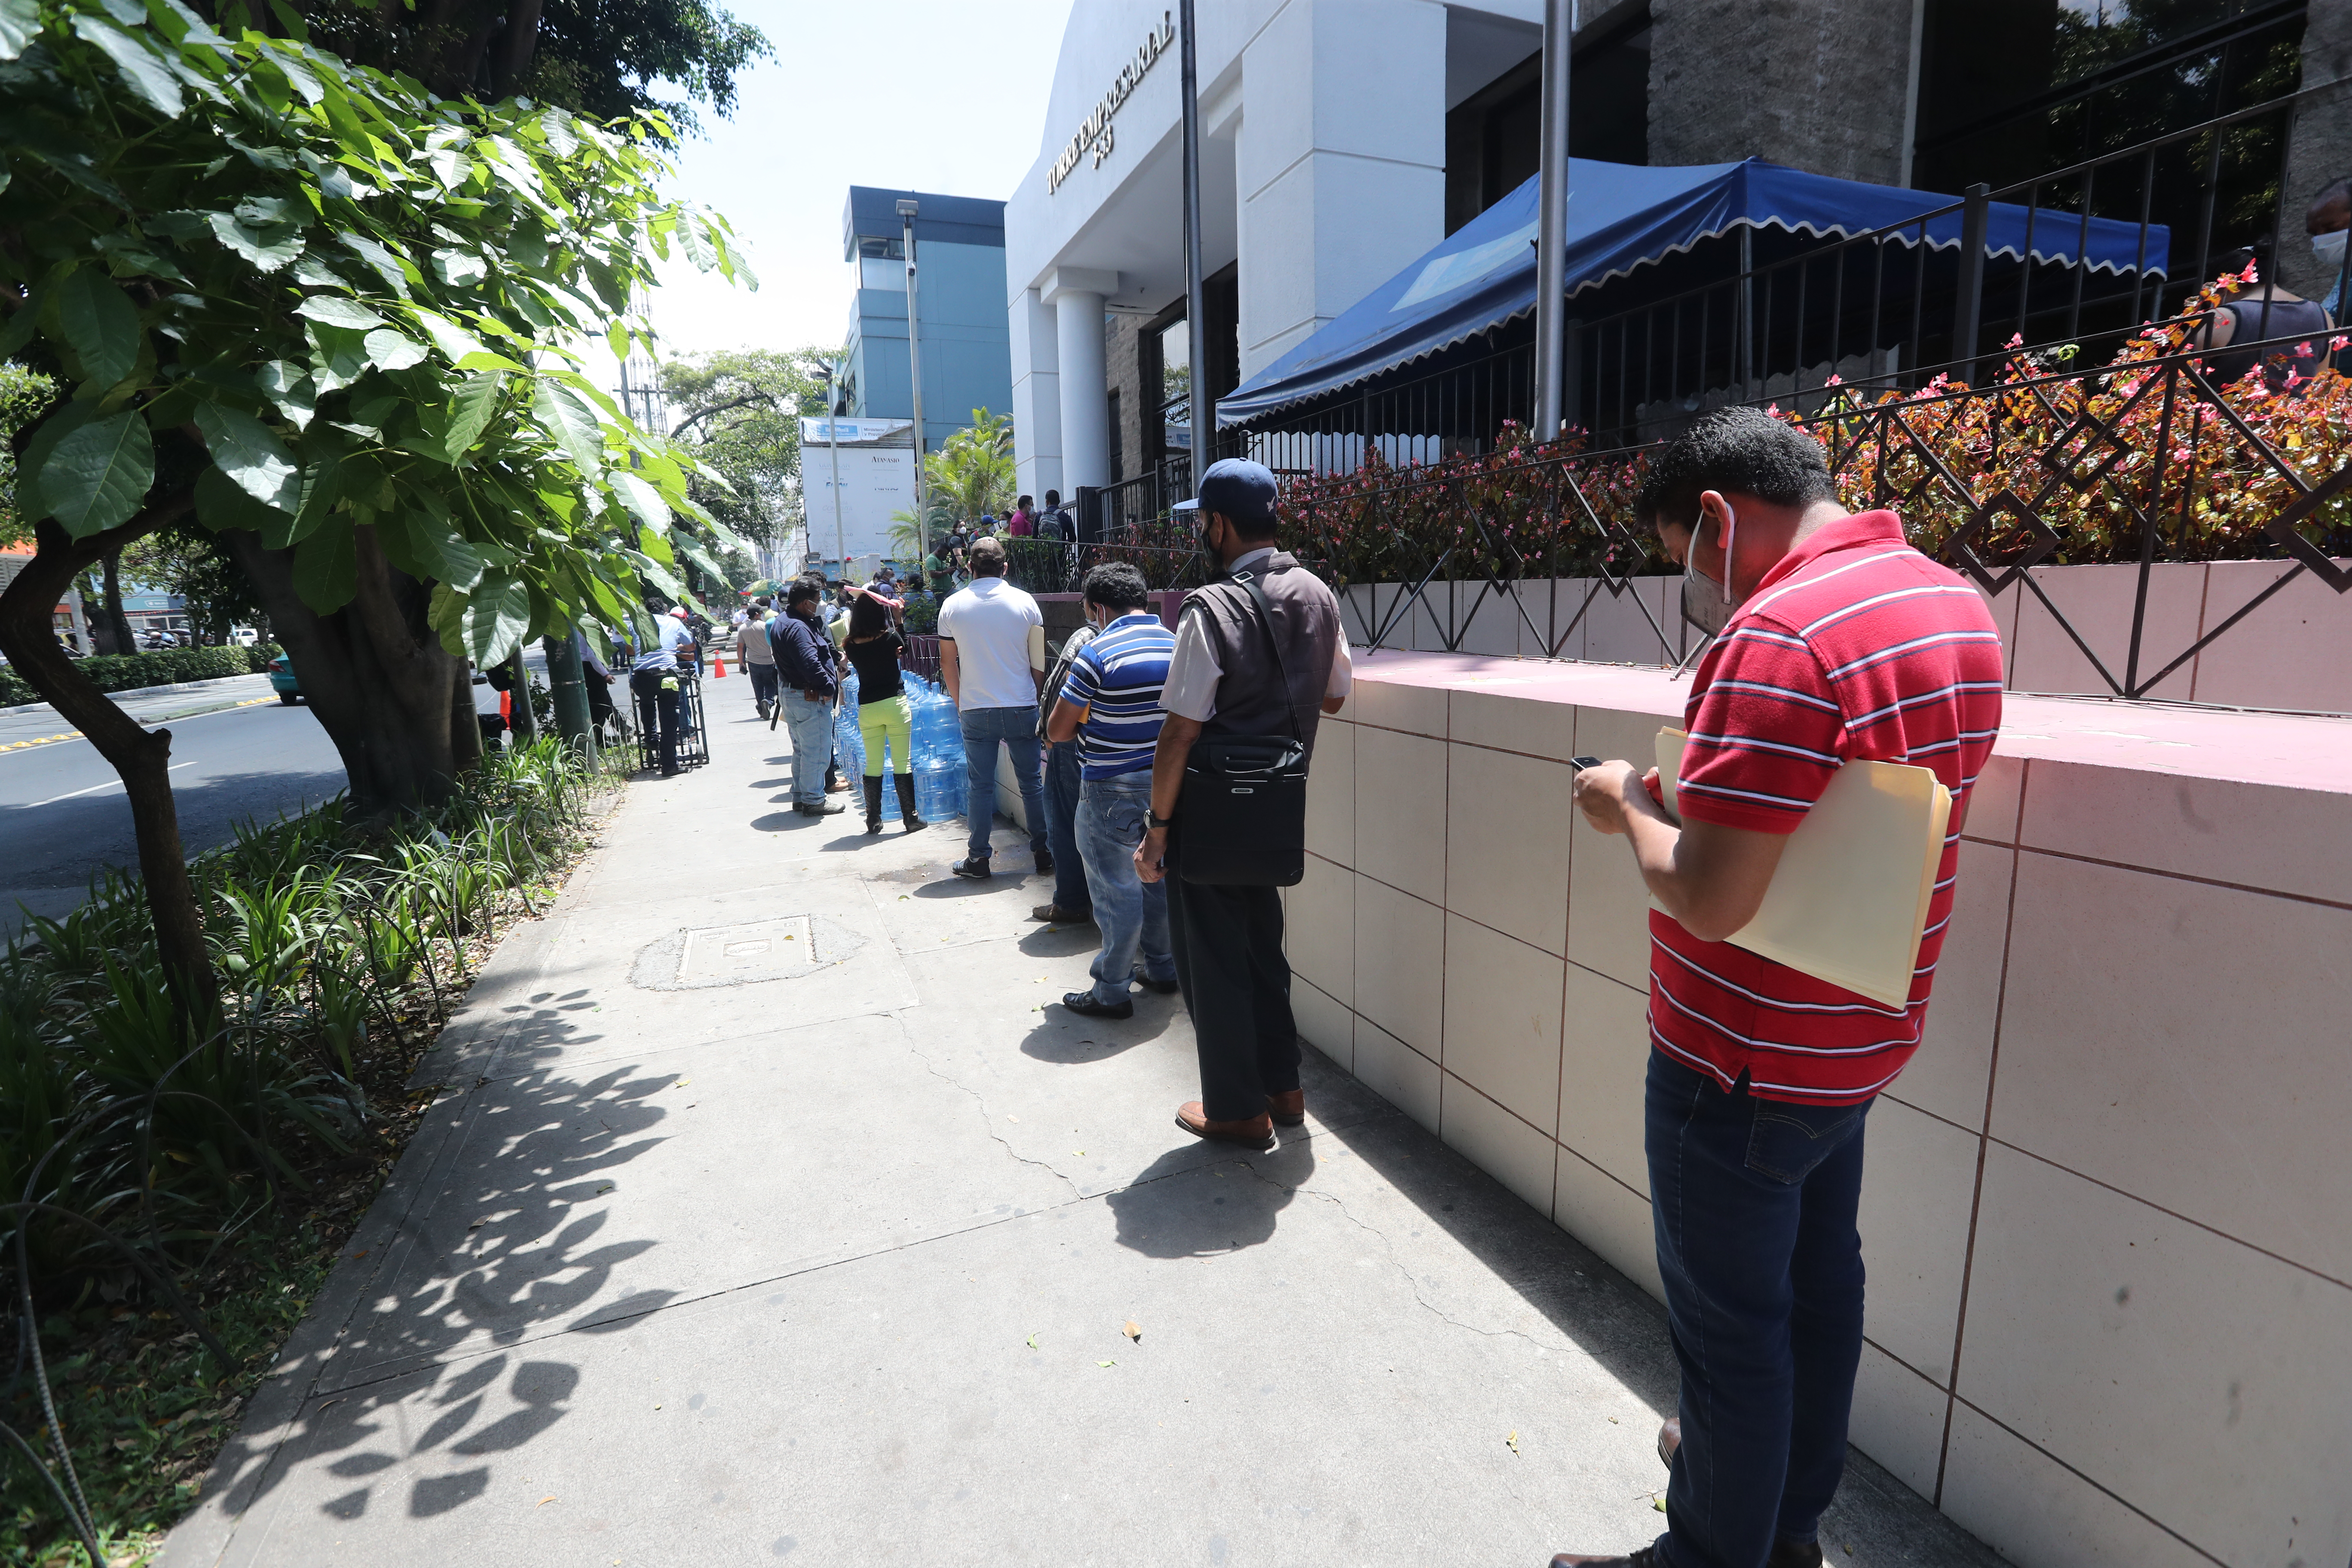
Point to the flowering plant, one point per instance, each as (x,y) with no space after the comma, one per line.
(2098,457)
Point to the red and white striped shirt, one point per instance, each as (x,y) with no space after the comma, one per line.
(1855,647)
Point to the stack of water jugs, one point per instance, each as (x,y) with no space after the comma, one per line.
(939,751)
(846,741)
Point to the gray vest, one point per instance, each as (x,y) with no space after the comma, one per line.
(1250,697)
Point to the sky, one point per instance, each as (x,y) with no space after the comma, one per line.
(933,95)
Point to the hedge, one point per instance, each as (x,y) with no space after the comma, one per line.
(163,666)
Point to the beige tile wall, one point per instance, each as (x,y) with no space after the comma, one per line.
(2110,1280)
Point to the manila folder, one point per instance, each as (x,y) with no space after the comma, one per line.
(1849,899)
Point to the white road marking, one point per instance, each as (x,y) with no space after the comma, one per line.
(112,783)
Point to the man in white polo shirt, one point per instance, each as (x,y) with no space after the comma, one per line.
(984,663)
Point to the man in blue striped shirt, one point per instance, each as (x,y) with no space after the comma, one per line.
(1112,703)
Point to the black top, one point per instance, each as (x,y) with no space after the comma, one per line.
(876,663)
(2255,323)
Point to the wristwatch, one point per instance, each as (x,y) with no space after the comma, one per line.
(1160,821)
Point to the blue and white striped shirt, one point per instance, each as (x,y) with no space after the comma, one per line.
(1117,677)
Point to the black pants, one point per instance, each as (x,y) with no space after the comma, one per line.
(1236,986)
(657,712)
(600,699)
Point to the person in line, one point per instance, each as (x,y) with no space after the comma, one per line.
(758,656)
(598,681)
(1072,904)
(1837,642)
(1225,679)
(984,665)
(1110,705)
(883,713)
(653,680)
(1024,513)
(835,597)
(1019,525)
(939,567)
(2328,221)
(804,667)
(1055,525)
(2264,312)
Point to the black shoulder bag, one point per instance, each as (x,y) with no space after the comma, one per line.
(1241,821)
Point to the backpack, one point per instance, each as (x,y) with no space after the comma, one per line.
(1053,524)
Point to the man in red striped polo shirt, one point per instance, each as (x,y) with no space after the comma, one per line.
(1838,643)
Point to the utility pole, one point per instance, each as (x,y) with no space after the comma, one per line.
(834,400)
(906,208)
(1196,326)
(1551,218)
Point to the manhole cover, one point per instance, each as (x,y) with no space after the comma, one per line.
(773,950)
(780,948)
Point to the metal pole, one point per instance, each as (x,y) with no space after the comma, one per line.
(1551,217)
(907,207)
(1197,328)
(833,400)
(1968,311)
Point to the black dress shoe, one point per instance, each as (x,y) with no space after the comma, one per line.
(975,868)
(1640,1557)
(1165,987)
(1083,1004)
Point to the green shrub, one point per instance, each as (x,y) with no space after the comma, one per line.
(163,666)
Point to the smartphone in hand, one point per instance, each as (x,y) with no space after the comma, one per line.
(1581,763)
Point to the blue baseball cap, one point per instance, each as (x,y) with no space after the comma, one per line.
(1239,489)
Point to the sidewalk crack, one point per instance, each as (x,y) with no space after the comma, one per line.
(1388,1249)
(987,1123)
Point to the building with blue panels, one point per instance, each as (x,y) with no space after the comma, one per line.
(959,306)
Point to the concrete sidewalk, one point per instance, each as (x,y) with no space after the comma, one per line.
(797,1220)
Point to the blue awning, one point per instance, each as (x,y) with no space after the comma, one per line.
(1621,217)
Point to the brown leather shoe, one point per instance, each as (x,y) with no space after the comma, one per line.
(1640,1557)
(1288,1108)
(1257,1132)
(1669,1437)
(1055,914)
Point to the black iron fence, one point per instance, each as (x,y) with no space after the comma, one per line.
(2146,462)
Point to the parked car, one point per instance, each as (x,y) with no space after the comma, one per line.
(244,636)
(282,681)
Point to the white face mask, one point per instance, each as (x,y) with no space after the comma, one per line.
(1708,604)
(2329,248)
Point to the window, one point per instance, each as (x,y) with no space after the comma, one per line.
(1494,138)
(881,263)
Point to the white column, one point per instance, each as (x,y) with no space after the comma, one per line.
(1076,295)
(1340,161)
(1036,395)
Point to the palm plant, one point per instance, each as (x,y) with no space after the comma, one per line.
(971,475)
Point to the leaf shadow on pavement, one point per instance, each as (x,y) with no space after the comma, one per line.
(430,1347)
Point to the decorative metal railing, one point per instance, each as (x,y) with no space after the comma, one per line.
(2144,463)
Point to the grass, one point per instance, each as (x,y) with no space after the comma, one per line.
(229,1174)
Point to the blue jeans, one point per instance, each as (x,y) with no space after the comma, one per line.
(1753,1203)
(1062,784)
(1132,914)
(1016,728)
(811,725)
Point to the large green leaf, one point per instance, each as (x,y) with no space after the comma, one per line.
(496,620)
(101,323)
(571,424)
(470,410)
(98,475)
(20,23)
(290,390)
(250,453)
(326,570)
(394,351)
(31,505)
(643,501)
(268,249)
(142,69)
(334,310)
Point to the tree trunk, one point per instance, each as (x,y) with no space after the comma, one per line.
(374,672)
(517,41)
(141,757)
(465,725)
(118,624)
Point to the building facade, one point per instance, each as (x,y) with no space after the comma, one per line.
(959,307)
(1341,139)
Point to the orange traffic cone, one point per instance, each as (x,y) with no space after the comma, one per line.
(717,666)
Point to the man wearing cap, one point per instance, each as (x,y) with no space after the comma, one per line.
(1226,678)
(653,678)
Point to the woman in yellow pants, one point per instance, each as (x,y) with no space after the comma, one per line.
(883,715)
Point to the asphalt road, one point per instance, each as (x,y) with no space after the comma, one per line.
(62,811)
